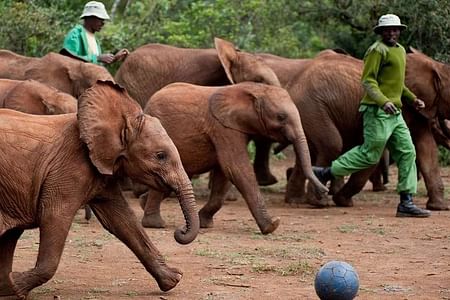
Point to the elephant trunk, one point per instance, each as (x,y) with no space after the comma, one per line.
(303,156)
(185,194)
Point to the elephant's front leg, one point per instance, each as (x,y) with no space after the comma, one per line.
(236,165)
(151,204)
(53,231)
(8,242)
(117,217)
(427,158)
(219,188)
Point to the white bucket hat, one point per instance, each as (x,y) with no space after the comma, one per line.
(388,20)
(96,9)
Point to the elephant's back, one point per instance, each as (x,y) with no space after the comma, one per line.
(12,65)
(153,66)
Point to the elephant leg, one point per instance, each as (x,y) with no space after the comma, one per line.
(219,188)
(353,186)
(231,195)
(376,178)
(261,162)
(8,242)
(87,212)
(295,189)
(427,158)
(114,213)
(151,203)
(53,231)
(336,185)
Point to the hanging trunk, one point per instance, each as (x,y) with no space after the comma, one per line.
(304,159)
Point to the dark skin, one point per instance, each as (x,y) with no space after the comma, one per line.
(390,36)
(94,24)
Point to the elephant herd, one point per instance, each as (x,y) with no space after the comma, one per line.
(170,114)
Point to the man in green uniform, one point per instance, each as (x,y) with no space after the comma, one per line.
(81,42)
(383,80)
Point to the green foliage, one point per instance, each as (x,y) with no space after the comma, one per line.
(444,156)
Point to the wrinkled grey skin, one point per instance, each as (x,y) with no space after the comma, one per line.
(66,161)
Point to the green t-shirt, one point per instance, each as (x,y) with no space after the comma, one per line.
(383,76)
(76,44)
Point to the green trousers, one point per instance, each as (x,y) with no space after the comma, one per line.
(381,130)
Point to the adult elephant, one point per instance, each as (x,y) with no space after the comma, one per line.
(66,74)
(63,162)
(327,88)
(151,67)
(33,97)
(211,127)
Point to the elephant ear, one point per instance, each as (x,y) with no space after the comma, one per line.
(107,119)
(242,66)
(227,55)
(237,108)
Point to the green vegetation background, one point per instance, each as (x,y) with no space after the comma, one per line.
(288,28)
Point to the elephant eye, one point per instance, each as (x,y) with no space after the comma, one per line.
(281,117)
(161,155)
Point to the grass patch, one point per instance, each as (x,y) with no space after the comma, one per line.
(298,268)
(347,228)
(206,252)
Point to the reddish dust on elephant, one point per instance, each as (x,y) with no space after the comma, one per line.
(396,258)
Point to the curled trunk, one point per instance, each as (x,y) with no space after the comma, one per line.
(187,233)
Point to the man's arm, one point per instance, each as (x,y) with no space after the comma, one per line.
(372,63)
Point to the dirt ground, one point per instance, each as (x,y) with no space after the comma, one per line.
(396,258)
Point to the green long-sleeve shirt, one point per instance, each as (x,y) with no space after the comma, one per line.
(383,76)
(76,44)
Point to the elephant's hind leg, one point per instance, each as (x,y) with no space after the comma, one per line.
(8,242)
(219,188)
(151,203)
(53,233)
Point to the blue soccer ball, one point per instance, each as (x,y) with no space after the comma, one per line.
(336,280)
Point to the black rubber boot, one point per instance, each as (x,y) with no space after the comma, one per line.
(407,208)
(323,174)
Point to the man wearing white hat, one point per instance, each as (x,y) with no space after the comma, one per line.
(81,42)
(383,79)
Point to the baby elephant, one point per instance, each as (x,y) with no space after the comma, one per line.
(211,127)
(35,98)
(52,165)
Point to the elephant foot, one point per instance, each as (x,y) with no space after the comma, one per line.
(153,221)
(169,279)
(437,205)
(378,188)
(271,226)
(342,201)
(6,289)
(205,221)
(265,179)
(17,286)
(317,200)
(295,199)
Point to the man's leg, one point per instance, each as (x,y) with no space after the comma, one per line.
(402,150)
(377,130)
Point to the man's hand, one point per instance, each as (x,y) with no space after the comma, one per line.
(106,58)
(390,108)
(121,54)
(418,104)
